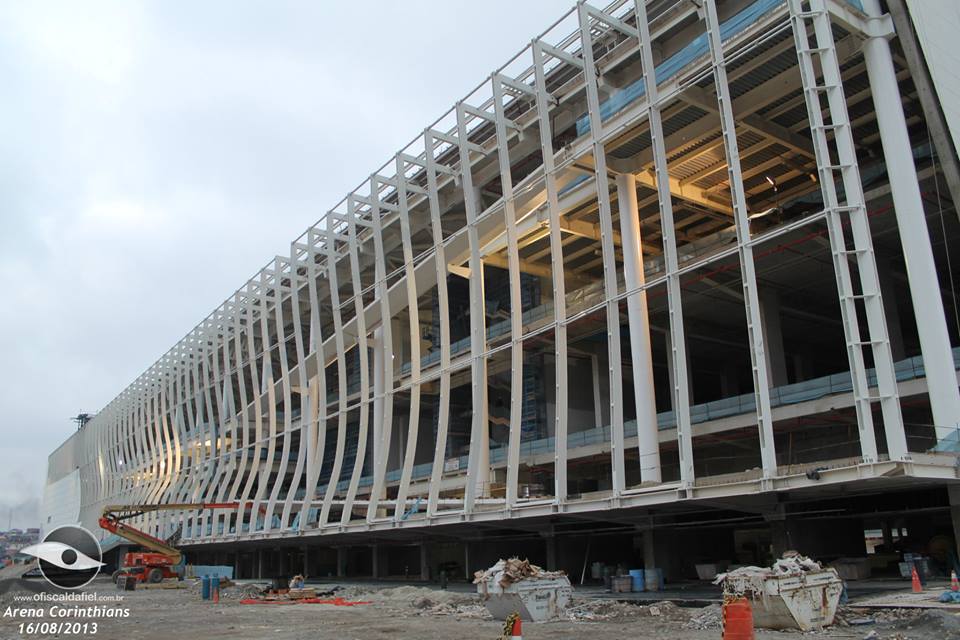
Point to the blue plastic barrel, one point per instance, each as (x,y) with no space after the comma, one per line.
(638,582)
(205,587)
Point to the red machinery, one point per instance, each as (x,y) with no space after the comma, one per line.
(161,556)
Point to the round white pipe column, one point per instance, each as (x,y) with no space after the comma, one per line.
(911,221)
(640,352)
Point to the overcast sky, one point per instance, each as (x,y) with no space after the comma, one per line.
(154,155)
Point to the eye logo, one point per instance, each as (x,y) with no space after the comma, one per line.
(69,556)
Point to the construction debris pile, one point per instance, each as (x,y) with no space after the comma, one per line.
(433,606)
(507,572)
(750,580)
(230,590)
(516,585)
(590,610)
(710,617)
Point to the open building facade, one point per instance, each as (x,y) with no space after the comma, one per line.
(672,285)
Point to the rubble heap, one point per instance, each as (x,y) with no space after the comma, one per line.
(750,580)
(507,572)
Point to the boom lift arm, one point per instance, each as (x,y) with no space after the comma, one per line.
(113,516)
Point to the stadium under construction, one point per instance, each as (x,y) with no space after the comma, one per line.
(672,285)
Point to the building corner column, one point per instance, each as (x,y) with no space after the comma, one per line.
(914,235)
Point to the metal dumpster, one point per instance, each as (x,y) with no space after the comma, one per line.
(517,586)
(796,593)
(534,600)
(806,602)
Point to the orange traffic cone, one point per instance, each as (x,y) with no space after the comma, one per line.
(738,620)
(915,579)
(516,633)
(954,584)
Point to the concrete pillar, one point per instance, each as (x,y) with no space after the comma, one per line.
(649,550)
(728,380)
(551,543)
(306,561)
(891,310)
(466,560)
(259,564)
(375,552)
(774,355)
(236,564)
(424,561)
(779,537)
(914,236)
(802,367)
(887,534)
(953,492)
(640,350)
(282,564)
(341,562)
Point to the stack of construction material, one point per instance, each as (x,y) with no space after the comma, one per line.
(795,593)
(517,586)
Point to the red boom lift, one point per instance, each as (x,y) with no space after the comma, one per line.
(160,557)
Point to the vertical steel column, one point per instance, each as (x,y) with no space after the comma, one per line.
(854,209)
(257,407)
(243,435)
(353,241)
(384,362)
(559,285)
(270,390)
(618,476)
(478,466)
(318,384)
(334,282)
(280,324)
(516,304)
(761,386)
(640,350)
(440,259)
(676,337)
(230,408)
(911,221)
(410,279)
(308,427)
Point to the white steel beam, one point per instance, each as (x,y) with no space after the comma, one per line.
(761,387)
(609,262)
(680,395)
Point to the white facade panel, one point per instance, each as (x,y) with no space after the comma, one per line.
(61,502)
(937,23)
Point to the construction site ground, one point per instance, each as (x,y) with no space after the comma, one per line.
(398,610)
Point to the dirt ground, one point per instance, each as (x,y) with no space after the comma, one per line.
(424,614)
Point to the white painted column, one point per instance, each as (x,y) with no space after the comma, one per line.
(911,221)
(640,351)
(378,386)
